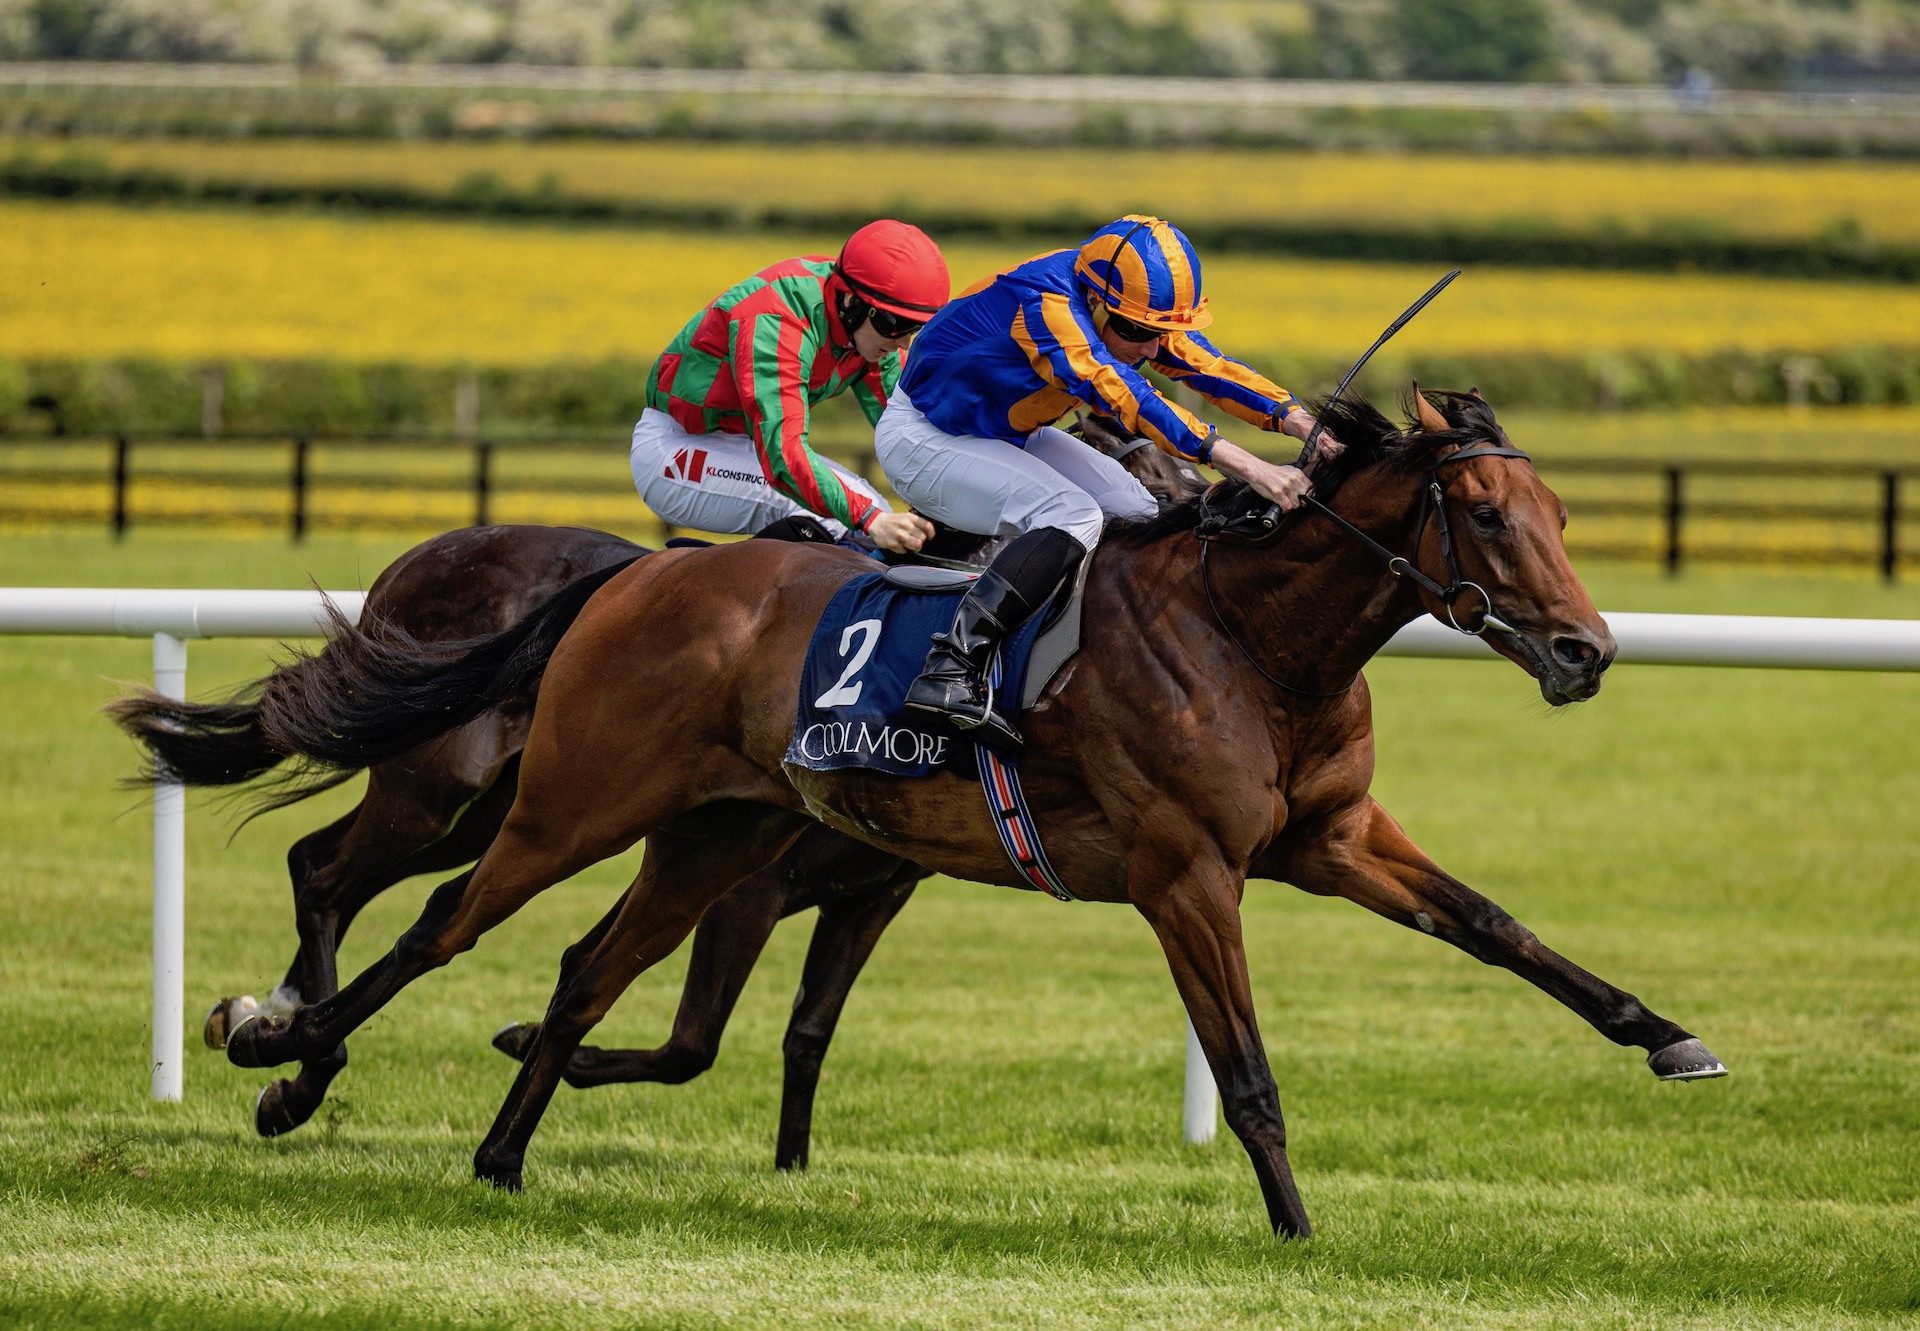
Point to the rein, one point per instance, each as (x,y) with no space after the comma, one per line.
(1432,507)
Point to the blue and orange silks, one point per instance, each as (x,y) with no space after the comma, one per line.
(1021,351)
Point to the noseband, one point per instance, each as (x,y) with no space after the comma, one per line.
(1213,525)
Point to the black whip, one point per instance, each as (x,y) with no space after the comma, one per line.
(1313,435)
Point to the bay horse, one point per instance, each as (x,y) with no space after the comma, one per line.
(1215,727)
(439,805)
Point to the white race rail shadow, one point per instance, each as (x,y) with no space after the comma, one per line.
(173,617)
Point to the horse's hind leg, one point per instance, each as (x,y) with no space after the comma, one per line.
(1370,860)
(842,941)
(411,822)
(538,847)
(680,878)
(304,859)
(726,945)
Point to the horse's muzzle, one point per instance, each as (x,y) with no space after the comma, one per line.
(1573,664)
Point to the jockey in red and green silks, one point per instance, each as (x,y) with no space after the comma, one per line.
(723,444)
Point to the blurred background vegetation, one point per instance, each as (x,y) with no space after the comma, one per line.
(465,220)
(1740,43)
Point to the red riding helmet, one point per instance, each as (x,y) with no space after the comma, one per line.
(895,267)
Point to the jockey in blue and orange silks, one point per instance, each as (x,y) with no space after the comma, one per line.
(968,437)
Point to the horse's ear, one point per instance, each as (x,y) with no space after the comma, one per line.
(1430,418)
(1475,392)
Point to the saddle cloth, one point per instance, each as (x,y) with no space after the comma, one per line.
(867,650)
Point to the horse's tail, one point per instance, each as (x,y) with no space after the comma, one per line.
(372,693)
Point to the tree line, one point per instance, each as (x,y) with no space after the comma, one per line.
(1733,43)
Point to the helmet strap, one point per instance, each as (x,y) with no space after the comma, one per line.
(853,311)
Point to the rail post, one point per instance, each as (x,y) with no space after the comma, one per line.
(1676,516)
(482,481)
(169,893)
(299,517)
(122,475)
(1890,526)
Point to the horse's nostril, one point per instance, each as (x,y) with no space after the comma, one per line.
(1575,653)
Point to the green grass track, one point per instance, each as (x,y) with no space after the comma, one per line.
(998,1126)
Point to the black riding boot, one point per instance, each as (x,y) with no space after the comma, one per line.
(952,684)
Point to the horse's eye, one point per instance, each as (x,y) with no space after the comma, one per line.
(1487,518)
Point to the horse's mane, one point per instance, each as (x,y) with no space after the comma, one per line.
(1372,441)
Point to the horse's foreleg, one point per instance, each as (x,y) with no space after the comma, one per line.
(680,878)
(843,939)
(726,945)
(1368,859)
(1196,916)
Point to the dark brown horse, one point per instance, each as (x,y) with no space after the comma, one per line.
(1216,727)
(439,805)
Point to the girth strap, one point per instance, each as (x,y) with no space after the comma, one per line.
(1007,803)
(1012,819)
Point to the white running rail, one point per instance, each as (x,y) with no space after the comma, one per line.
(1016,89)
(170,618)
(173,617)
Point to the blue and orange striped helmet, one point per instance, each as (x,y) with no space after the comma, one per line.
(1146,271)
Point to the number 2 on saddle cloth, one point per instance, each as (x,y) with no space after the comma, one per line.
(866,650)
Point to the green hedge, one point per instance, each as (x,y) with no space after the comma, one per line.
(1671,249)
(322,110)
(334,398)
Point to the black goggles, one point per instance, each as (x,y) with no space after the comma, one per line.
(892,326)
(1129,331)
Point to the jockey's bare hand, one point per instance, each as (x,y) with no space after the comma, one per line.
(1283,485)
(1300,424)
(897,533)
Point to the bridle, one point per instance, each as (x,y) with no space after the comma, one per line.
(1214,525)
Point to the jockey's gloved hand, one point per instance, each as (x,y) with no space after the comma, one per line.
(1285,485)
(897,533)
(1300,424)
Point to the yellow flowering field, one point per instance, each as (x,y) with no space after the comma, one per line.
(1771,199)
(99,281)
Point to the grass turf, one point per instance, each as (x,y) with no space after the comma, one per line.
(997,1131)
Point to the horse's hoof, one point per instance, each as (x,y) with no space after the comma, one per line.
(1687,1060)
(224,1015)
(504,1177)
(515,1038)
(250,1044)
(272,1116)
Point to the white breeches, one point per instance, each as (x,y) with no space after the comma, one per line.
(713,482)
(993,488)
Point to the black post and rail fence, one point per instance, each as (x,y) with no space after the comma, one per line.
(1674,513)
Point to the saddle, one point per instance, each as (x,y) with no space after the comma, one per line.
(1060,618)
